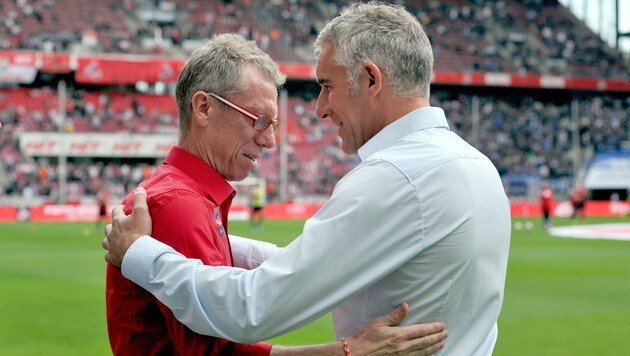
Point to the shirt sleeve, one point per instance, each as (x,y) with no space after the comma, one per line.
(249,253)
(187,342)
(365,231)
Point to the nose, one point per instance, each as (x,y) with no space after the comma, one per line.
(266,138)
(321,107)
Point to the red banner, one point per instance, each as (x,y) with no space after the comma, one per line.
(18,67)
(57,63)
(102,70)
(129,69)
(20,58)
(564,209)
(8,213)
(304,71)
(70,212)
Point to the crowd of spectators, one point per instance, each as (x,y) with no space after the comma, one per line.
(519,36)
(523,136)
(531,137)
(102,111)
(38,181)
(65,25)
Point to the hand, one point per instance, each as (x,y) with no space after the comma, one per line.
(381,336)
(126,229)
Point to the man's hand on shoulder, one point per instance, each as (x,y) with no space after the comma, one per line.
(126,229)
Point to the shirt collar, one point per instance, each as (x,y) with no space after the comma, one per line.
(419,119)
(208,179)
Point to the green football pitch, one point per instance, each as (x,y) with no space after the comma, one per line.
(564,296)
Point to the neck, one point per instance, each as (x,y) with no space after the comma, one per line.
(397,108)
(188,143)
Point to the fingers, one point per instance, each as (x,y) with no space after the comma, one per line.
(140,199)
(108,229)
(105,244)
(125,229)
(118,212)
(424,339)
(394,317)
(426,345)
(421,330)
(139,202)
(109,258)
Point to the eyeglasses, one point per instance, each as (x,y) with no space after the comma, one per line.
(260,122)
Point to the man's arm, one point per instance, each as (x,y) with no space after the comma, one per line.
(381,336)
(351,243)
(249,253)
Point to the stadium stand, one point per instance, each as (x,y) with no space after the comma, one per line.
(527,133)
(523,136)
(527,36)
(61,25)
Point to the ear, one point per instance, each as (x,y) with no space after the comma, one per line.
(201,109)
(374,78)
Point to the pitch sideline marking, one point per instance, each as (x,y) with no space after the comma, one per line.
(619,231)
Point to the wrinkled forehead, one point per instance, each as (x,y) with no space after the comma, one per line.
(259,93)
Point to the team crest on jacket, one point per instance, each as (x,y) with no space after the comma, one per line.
(217,218)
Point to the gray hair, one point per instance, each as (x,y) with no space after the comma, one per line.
(216,67)
(389,36)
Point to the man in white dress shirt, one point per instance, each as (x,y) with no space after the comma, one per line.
(423,218)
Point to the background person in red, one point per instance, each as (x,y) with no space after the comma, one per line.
(546,204)
(102,199)
(578,196)
(189,198)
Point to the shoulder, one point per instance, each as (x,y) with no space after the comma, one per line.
(166,187)
(371,181)
(429,150)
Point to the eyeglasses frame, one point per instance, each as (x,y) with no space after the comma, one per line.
(257,119)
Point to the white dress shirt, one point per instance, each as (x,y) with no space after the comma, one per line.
(423,219)
(248,253)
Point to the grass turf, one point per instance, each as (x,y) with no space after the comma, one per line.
(563,296)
